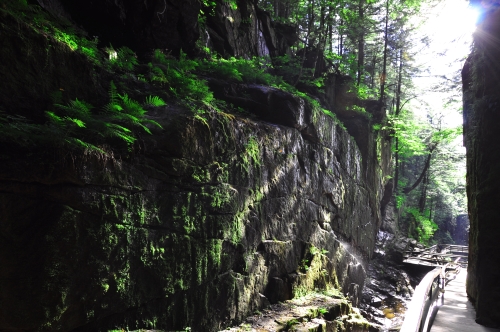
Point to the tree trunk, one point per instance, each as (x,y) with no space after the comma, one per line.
(384,65)
(423,194)
(396,165)
(397,111)
(341,40)
(361,41)
(407,190)
(321,39)
(306,41)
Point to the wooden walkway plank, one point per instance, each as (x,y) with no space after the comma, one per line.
(457,314)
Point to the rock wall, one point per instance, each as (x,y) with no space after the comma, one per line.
(247,31)
(210,219)
(140,25)
(481,83)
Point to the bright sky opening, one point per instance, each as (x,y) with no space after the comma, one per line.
(449,26)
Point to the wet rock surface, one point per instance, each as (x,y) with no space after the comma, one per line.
(389,285)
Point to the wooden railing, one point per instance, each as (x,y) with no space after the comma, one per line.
(418,315)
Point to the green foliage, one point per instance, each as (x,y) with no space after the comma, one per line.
(411,133)
(322,311)
(179,77)
(316,251)
(69,40)
(48,26)
(60,30)
(75,43)
(366,92)
(123,59)
(123,109)
(289,324)
(252,152)
(425,227)
(210,4)
(359,109)
(348,64)
(77,124)
(241,70)
(400,200)
(154,101)
(446,135)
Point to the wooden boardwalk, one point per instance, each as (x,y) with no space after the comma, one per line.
(457,314)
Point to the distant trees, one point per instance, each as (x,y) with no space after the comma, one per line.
(372,41)
(429,187)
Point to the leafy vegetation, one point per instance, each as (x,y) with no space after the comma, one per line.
(425,227)
(79,125)
(122,59)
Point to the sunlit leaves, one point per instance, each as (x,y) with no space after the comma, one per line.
(154,101)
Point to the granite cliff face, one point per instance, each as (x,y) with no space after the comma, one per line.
(481,83)
(195,231)
(208,220)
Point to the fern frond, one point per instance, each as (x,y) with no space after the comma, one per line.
(154,101)
(126,58)
(115,126)
(76,121)
(113,94)
(81,107)
(125,117)
(153,122)
(127,138)
(112,108)
(121,132)
(146,129)
(54,118)
(131,106)
(76,108)
(86,145)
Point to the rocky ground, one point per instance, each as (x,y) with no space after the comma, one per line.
(388,290)
(389,284)
(315,312)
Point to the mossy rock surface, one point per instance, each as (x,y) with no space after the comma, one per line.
(189,227)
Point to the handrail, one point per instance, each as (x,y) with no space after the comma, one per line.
(421,308)
(417,306)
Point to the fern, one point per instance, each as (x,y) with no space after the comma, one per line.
(154,101)
(75,124)
(113,105)
(73,141)
(127,111)
(131,106)
(124,58)
(120,132)
(76,108)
